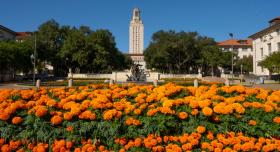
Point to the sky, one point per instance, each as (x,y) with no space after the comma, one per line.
(212,18)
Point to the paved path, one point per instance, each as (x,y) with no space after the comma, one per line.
(13,86)
(267,86)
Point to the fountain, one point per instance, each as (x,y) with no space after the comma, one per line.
(137,74)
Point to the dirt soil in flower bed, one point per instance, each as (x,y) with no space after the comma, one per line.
(134,117)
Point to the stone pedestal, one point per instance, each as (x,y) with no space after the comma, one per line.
(227,82)
(111,82)
(70,82)
(199,73)
(195,83)
(38,84)
(155,82)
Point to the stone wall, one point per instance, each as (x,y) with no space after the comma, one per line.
(180,76)
(89,76)
(121,76)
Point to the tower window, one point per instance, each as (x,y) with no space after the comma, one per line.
(269,48)
(261,53)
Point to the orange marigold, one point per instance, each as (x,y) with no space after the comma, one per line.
(56,120)
(69,128)
(207,111)
(183,115)
(67,116)
(41,111)
(87,115)
(276,120)
(252,122)
(17,120)
(194,112)
(5,148)
(200,129)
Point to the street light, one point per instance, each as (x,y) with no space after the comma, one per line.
(241,66)
(231,35)
(32,57)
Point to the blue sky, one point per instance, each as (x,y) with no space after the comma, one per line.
(213,18)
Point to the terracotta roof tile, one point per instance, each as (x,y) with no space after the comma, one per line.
(23,35)
(235,42)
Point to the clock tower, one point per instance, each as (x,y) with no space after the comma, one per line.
(136,38)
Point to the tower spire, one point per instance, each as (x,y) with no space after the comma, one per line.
(136,15)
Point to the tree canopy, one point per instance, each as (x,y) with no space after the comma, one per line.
(184,52)
(272,63)
(14,56)
(80,48)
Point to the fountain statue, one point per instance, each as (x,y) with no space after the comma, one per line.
(137,74)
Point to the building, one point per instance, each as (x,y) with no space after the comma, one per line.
(265,42)
(136,38)
(21,36)
(242,47)
(6,33)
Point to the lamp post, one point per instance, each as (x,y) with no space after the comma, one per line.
(241,66)
(241,74)
(33,59)
(231,36)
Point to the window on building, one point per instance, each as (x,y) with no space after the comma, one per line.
(278,46)
(1,35)
(269,48)
(262,69)
(278,31)
(261,53)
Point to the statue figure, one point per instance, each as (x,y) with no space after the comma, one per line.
(137,74)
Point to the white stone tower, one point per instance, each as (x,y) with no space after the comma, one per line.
(136,38)
(136,33)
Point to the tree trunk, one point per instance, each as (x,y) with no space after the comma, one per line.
(212,67)
(269,74)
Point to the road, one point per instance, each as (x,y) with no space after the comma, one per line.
(13,86)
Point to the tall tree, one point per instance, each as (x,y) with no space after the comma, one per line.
(212,56)
(15,57)
(272,63)
(93,51)
(247,64)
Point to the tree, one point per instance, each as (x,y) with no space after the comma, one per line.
(93,51)
(170,51)
(211,55)
(272,63)
(14,57)
(247,64)
(182,52)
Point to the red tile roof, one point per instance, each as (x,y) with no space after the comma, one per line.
(275,19)
(274,24)
(23,35)
(235,42)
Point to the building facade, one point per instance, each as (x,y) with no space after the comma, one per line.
(6,33)
(136,38)
(241,47)
(265,42)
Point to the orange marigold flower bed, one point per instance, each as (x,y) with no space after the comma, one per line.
(131,117)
